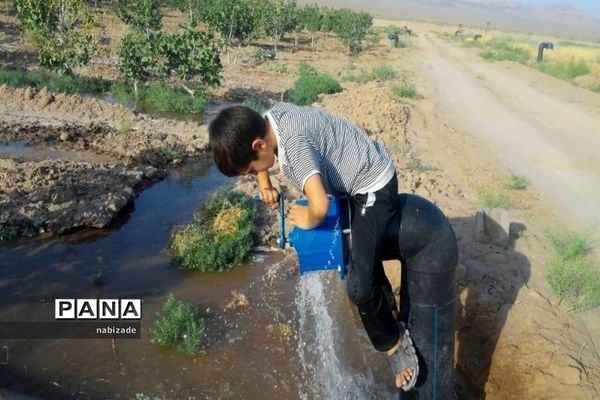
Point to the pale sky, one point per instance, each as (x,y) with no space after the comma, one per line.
(591,7)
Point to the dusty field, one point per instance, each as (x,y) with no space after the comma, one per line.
(514,340)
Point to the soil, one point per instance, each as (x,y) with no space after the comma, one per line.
(473,123)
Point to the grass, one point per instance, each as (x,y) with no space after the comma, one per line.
(256,105)
(415,165)
(516,182)
(65,84)
(8,232)
(404,91)
(492,198)
(161,96)
(384,73)
(567,72)
(179,325)
(278,67)
(172,153)
(310,84)
(124,127)
(361,78)
(570,272)
(220,236)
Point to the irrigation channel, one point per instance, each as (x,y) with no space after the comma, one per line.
(297,337)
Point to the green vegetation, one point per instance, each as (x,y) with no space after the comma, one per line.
(492,198)
(124,127)
(62,31)
(258,106)
(310,84)
(220,236)
(54,82)
(278,67)
(384,73)
(516,182)
(179,325)
(362,78)
(172,153)
(415,165)
(8,232)
(570,272)
(404,91)
(564,71)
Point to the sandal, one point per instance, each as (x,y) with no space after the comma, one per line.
(405,357)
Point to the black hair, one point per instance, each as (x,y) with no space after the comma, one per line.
(230,137)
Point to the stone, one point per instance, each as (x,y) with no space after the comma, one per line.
(492,225)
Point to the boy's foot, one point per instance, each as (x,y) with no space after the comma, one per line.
(403,377)
(403,360)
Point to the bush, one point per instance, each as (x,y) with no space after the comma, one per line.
(492,198)
(516,182)
(362,78)
(58,83)
(160,97)
(179,325)
(220,236)
(570,273)
(415,165)
(504,50)
(404,91)
(278,67)
(384,73)
(564,71)
(310,84)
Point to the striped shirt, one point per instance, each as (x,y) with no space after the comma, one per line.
(311,141)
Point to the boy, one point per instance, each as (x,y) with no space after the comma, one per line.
(324,154)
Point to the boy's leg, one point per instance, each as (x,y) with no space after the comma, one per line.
(364,277)
(382,280)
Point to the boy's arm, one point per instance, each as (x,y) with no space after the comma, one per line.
(318,204)
(268,193)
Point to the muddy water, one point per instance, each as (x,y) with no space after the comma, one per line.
(32,152)
(247,353)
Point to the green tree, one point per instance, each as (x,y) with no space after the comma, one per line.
(311,18)
(234,20)
(62,30)
(195,10)
(138,57)
(141,15)
(282,17)
(351,28)
(192,54)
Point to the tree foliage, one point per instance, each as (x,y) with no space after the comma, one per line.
(351,28)
(61,30)
(140,15)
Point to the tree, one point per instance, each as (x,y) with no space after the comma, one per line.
(141,15)
(234,20)
(138,57)
(61,30)
(191,54)
(195,10)
(311,18)
(351,28)
(283,17)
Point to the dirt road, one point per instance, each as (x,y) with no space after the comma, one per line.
(519,119)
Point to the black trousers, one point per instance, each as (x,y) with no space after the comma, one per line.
(366,284)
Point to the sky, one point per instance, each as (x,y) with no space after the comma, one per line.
(590,7)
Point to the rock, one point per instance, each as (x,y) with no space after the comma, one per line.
(8,164)
(66,136)
(492,225)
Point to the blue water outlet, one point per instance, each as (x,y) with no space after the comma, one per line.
(321,248)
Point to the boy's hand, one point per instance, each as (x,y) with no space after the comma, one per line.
(270,196)
(300,217)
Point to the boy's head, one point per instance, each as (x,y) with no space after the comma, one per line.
(237,138)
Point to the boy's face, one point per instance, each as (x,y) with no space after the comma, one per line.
(265,158)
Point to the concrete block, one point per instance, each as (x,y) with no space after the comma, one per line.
(492,225)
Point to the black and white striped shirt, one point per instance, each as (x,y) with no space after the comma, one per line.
(311,141)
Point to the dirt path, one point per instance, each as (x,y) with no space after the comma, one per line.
(540,127)
(476,122)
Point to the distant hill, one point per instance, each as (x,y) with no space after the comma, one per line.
(504,14)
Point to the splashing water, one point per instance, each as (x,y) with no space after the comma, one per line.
(321,348)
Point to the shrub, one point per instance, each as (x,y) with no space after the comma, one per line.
(310,84)
(278,67)
(404,91)
(179,325)
(164,97)
(124,127)
(220,236)
(415,165)
(564,71)
(362,78)
(516,182)
(492,198)
(384,73)
(570,272)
